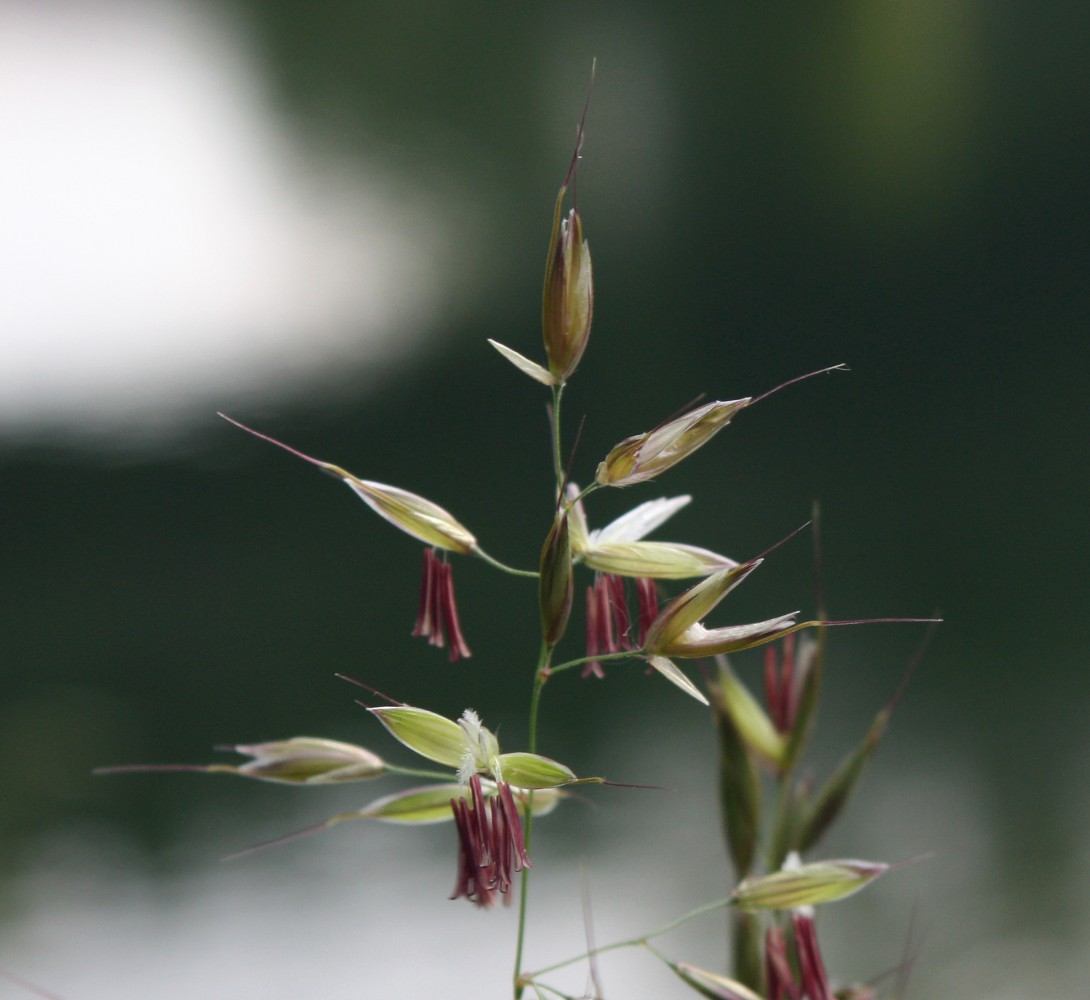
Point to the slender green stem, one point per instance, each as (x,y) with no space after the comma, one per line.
(558,462)
(594,487)
(654,951)
(636,942)
(541,675)
(481,554)
(538,987)
(603,658)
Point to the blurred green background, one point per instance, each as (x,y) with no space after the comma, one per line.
(311,217)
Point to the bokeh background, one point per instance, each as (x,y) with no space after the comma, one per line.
(311,216)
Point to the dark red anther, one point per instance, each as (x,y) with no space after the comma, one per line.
(437,616)
(815,983)
(491,845)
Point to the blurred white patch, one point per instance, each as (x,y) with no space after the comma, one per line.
(361,912)
(166,243)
